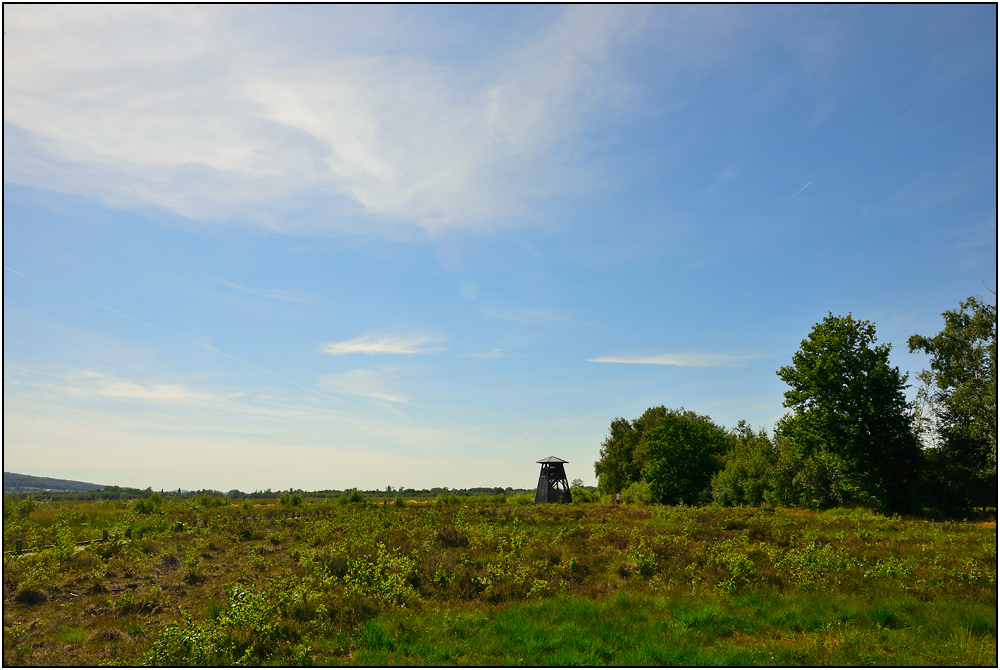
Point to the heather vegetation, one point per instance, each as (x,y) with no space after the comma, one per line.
(486,581)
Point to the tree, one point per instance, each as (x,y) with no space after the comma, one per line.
(961,385)
(762,470)
(614,469)
(623,452)
(684,451)
(849,411)
(746,477)
(960,391)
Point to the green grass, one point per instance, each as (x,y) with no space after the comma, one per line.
(489,583)
(636,629)
(72,635)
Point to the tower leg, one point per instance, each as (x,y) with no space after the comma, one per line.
(542,490)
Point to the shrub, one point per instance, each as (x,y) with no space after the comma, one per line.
(382,579)
(126,602)
(540,588)
(522,499)
(447,498)
(243,631)
(352,496)
(325,562)
(489,498)
(25,506)
(581,495)
(143,506)
(292,499)
(638,493)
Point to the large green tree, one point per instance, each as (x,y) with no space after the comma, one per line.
(684,451)
(623,452)
(849,410)
(960,392)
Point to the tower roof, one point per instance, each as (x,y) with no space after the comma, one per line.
(552,459)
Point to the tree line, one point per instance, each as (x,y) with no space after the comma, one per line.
(283,496)
(850,436)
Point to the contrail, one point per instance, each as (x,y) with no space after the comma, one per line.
(797,192)
(213,349)
(198,344)
(221,353)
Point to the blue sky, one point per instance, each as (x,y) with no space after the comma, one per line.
(334,246)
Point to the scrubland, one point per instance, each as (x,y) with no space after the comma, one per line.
(491,583)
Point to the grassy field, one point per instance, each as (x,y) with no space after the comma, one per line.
(488,583)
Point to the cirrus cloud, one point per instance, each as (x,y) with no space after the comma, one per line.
(684,360)
(383,344)
(88,382)
(365,383)
(273,294)
(195,110)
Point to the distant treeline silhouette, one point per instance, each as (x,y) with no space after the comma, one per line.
(127,493)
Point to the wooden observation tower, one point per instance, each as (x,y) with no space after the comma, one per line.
(552,483)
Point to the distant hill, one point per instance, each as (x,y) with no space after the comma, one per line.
(15,483)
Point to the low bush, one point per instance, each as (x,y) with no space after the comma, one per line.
(143,506)
(291,499)
(351,496)
(638,493)
(206,499)
(522,499)
(243,634)
(448,498)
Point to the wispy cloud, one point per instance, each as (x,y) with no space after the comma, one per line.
(371,385)
(206,347)
(251,125)
(364,383)
(12,270)
(684,360)
(939,187)
(88,382)
(383,344)
(249,407)
(273,294)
